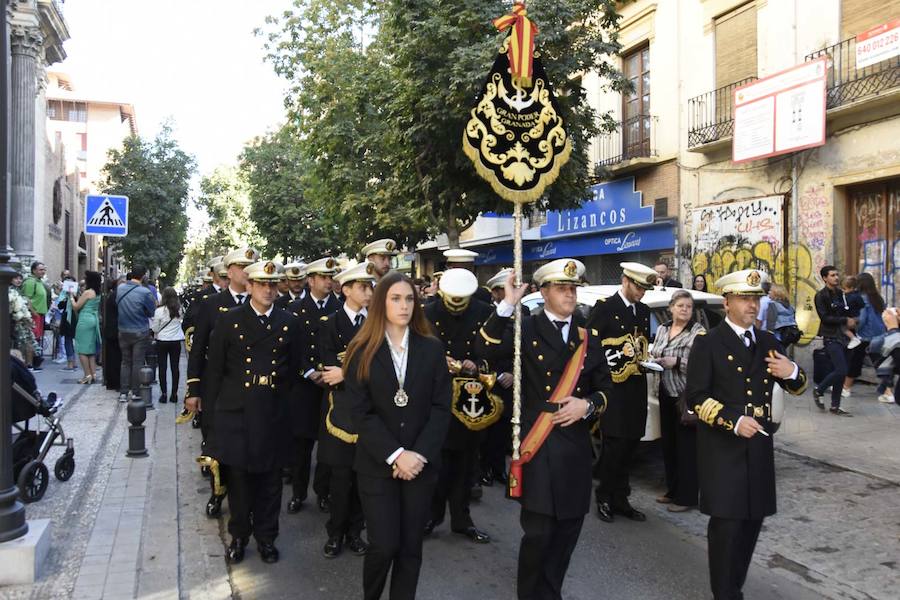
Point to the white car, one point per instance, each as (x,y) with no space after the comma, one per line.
(708,311)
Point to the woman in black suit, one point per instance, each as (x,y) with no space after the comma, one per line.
(398,386)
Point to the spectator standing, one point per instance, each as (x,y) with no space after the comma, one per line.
(671,349)
(870,326)
(166,327)
(87,329)
(700,283)
(781,318)
(66,305)
(135,304)
(35,293)
(763,305)
(664,276)
(834,319)
(887,348)
(112,355)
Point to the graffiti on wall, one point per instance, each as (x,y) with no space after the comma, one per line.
(748,235)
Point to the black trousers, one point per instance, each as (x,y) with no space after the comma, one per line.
(498,439)
(169,352)
(346,516)
(668,424)
(614,486)
(301,469)
(396,512)
(731,543)
(254,501)
(679,447)
(544,553)
(454,487)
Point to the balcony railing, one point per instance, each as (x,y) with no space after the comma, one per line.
(847,82)
(711,115)
(633,138)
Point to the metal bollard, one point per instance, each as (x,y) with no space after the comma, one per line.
(145,375)
(137,414)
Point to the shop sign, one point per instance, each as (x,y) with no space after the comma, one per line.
(878,44)
(612,205)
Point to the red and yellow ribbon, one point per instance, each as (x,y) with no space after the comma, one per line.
(521,43)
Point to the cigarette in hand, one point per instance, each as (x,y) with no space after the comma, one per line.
(764,432)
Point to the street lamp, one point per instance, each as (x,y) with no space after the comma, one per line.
(12,512)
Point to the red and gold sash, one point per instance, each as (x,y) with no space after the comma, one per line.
(544,423)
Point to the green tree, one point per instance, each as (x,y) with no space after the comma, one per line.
(294,225)
(225,197)
(155,175)
(380,93)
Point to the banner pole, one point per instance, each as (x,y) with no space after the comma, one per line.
(517,333)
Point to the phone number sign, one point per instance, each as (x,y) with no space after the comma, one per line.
(878,44)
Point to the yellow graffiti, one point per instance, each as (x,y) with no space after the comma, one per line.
(778,263)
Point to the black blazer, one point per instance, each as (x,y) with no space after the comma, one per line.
(626,338)
(338,438)
(725,381)
(557,481)
(382,427)
(205,319)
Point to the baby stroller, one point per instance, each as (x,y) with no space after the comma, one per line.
(30,447)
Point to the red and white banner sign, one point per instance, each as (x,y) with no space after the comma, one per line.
(782,113)
(878,44)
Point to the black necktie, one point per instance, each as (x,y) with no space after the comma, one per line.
(560,324)
(240,299)
(633,310)
(264,320)
(748,337)
(358,321)
(321,304)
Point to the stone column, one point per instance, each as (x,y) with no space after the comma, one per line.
(26,50)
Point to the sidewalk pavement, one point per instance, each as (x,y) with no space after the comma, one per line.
(117,531)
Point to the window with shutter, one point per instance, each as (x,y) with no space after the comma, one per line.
(636,105)
(736,45)
(859,15)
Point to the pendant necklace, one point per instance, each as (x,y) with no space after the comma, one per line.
(399,360)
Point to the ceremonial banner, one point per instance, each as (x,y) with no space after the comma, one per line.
(515,136)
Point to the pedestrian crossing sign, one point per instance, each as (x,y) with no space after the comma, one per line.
(106,215)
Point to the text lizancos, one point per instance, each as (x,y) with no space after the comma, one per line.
(567,221)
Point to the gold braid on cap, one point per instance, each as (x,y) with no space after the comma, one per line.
(454,304)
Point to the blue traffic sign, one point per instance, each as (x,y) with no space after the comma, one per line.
(106,215)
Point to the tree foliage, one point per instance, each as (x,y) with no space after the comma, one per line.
(155,175)
(380,92)
(294,226)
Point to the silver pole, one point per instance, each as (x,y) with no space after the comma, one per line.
(517,334)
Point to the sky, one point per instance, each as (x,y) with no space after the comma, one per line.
(195,61)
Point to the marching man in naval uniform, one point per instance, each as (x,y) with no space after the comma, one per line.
(731,373)
(295,275)
(337,442)
(379,253)
(624,325)
(254,361)
(566,384)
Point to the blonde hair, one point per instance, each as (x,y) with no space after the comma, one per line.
(779,292)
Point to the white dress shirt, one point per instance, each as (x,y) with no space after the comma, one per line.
(234,295)
(628,303)
(352,313)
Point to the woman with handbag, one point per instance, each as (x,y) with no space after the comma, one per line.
(671,349)
(398,390)
(168,337)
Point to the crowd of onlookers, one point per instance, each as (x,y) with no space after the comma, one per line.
(117,324)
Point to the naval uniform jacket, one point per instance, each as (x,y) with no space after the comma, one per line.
(625,336)
(306,411)
(725,381)
(557,482)
(284,301)
(251,371)
(337,441)
(189,321)
(382,426)
(208,315)
(458,333)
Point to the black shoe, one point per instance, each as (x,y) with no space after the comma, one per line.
(235,552)
(604,512)
(476,492)
(357,545)
(629,512)
(295,506)
(163,398)
(474,534)
(214,506)
(324,504)
(487,480)
(267,552)
(817,398)
(173,399)
(332,547)
(839,412)
(430,525)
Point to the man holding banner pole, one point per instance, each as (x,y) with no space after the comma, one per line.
(565,381)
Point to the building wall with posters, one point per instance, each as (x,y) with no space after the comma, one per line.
(843,194)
